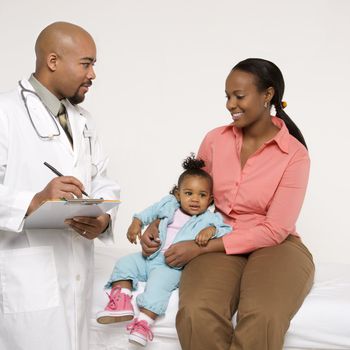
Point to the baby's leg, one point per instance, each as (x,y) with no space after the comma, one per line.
(128,271)
(140,328)
(126,274)
(162,280)
(124,284)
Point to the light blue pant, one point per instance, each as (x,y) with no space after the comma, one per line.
(161,279)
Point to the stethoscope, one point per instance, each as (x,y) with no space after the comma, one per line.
(86,133)
(24,98)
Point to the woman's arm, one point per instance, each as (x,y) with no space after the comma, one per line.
(179,254)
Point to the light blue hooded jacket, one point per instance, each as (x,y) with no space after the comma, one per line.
(165,210)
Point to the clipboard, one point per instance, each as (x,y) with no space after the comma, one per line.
(51,214)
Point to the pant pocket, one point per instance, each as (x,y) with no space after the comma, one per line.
(28,279)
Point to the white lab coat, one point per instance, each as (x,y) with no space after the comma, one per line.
(46,276)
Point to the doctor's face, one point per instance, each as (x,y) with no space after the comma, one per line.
(75,69)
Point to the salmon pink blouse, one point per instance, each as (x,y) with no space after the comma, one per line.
(262,201)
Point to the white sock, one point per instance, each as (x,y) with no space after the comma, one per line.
(126,291)
(143,316)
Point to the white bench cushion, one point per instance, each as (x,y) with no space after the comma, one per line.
(323,321)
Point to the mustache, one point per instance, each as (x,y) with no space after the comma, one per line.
(87,83)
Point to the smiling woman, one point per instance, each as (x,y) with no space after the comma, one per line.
(251,88)
(260,166)
(257,84)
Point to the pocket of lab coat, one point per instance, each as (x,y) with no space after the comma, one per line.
(28,279)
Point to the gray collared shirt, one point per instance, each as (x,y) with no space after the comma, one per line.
(47,97)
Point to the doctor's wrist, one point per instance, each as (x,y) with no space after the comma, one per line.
(108,218)
(35,203)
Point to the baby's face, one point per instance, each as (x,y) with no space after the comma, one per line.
(194,195)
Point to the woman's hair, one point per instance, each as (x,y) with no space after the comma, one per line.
(267,75)
(193,167)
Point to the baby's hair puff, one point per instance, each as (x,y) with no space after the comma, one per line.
(191,163)
(193,167)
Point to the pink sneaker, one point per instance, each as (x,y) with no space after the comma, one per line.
(140,332)
(118,309)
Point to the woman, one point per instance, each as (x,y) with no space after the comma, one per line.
(260,167)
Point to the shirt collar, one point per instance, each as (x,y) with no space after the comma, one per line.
(281,138)
(47,97)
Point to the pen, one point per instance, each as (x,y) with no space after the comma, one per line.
(60,174)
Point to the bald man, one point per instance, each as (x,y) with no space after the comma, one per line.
(46,274)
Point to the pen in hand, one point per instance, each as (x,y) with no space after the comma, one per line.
(60,174)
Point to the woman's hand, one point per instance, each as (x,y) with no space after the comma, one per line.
(179,254)
(150,241)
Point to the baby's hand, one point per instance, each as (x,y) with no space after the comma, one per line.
(203,237)
(134,231)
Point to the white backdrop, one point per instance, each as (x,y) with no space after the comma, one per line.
(160,87)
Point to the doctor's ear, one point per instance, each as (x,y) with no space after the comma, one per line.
(51,61)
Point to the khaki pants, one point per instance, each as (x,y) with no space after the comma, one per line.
(267,287)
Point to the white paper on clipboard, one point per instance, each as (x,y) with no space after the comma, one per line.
(51,214)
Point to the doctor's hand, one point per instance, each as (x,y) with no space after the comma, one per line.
(60,187)
(150,241)
(88,227)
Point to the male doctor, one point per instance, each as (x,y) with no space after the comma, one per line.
(46,275)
